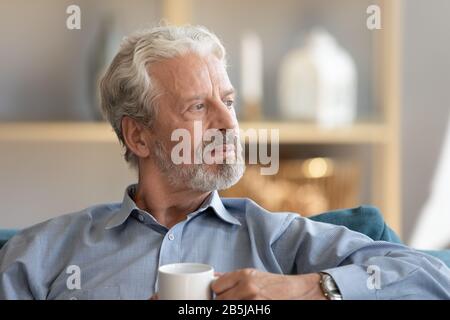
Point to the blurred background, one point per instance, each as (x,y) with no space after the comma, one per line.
(357,88)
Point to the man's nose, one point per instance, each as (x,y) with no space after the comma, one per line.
(223,117)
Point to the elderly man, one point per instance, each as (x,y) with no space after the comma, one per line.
(162,80)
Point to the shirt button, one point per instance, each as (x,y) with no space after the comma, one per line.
(171,237)
(141,218)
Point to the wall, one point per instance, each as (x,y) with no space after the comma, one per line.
(426,100)
(47,72)
(44,180)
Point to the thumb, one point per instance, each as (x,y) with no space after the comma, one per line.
(154,297)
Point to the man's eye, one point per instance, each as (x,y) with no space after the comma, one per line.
(229,103)
(198,107)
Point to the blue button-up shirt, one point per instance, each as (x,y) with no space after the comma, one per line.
(113,251)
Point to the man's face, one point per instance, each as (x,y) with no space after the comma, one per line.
(196,95)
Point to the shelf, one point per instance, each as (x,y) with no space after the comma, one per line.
(289,132)
(308,133)
(57,132)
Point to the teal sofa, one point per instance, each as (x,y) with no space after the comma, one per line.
(5,235)
(364,219)
(369,221)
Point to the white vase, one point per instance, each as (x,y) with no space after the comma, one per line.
(318,82)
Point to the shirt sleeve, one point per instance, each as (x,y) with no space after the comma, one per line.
(362,268)
(20,269)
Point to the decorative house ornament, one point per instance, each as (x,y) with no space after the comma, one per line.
(318,82)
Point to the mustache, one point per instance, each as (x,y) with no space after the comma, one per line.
(228,137)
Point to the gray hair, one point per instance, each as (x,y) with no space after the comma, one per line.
(127,88)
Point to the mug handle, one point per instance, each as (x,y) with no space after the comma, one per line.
(213,295)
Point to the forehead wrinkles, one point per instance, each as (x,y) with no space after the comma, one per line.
(191,74)
(165,74)
(218,76)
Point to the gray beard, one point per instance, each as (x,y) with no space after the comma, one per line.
(199,177)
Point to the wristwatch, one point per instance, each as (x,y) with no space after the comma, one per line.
(329,287)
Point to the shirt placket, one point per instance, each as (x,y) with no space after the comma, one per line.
(171,246)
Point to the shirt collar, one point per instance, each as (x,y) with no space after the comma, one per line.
(213,201)
(128,206)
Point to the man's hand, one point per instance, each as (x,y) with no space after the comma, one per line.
(251,284)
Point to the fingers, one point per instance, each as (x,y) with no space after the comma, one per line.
(225,282)
(154,297)
(245,290)
(230,280)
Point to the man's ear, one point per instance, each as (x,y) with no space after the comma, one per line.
(136,136)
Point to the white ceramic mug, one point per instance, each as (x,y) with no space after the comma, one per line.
(185,281)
